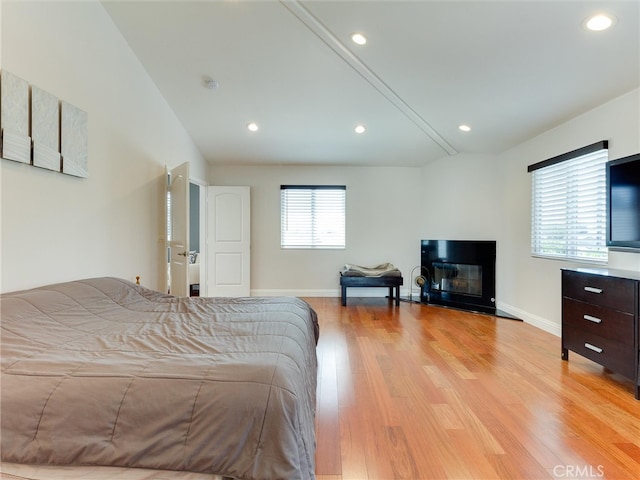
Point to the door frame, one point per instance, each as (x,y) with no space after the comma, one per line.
(202,219)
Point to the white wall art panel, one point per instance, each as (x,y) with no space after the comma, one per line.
(45,129)
(14,118)
(74,142)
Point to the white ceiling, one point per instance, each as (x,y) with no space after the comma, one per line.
(509,69)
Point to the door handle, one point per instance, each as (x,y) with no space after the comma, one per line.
(593,289)
(593,348)
(184,254)
(592,318)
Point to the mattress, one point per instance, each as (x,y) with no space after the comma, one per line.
(102,372)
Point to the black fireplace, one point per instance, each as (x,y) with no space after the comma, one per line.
(460,274)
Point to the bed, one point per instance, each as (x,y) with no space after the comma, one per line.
(104,373)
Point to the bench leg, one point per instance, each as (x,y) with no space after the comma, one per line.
(344,296)
(397,295)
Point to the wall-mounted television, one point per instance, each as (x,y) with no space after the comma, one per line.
(623,202)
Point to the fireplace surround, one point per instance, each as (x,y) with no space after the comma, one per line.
(459,274)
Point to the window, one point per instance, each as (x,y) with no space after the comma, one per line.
(312,216)
(568,203)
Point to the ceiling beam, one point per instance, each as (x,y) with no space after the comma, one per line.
(324,34)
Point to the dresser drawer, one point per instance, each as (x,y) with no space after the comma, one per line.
(608,292)
(608,353)
(604,322)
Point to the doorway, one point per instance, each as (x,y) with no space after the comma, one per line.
(195,251)
(184,217)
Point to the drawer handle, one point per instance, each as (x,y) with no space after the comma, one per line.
(593,289)
(592,319)
(593,347)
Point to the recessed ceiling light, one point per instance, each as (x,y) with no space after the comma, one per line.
(359,39)
(253,127)
(599,22)
(464,128)
(360,129)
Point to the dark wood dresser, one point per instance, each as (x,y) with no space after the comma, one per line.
(600,310)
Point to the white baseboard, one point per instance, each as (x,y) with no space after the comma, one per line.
(351,292)
(295,293)
(535,320)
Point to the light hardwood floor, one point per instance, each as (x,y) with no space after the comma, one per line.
(421,392)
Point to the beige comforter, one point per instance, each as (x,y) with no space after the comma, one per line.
(104,372)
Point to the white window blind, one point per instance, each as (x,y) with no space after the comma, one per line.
(569,217)
(312,216)
(168,216)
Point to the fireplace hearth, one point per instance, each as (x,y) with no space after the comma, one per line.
(460,274)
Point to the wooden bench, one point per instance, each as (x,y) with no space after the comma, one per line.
(391,282)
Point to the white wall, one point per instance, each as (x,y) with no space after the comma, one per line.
(56,227)
(489,197)
(460,198)
(530,286)
(381,225)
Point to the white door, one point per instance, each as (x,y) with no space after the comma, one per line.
(228,242)
(179,243)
